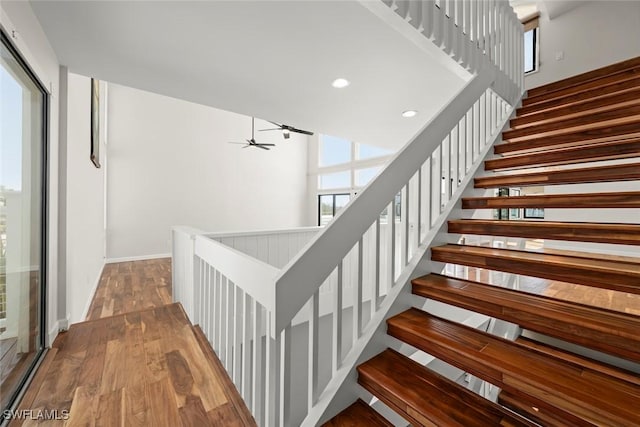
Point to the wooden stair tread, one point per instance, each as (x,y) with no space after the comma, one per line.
(623,199)
(609,173)
(571,388)
(608,150)
(585,77)
(608,274)
(612,87)
(580,137)
(604,330)
(539,411)
(582,88)
(622,374)
(593,120)
(358,414)
(585,107)
(425,398)
(626,234)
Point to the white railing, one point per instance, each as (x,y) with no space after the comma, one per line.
(289,336)
(289,323)
(475,33)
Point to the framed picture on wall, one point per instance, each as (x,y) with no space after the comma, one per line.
(95,122)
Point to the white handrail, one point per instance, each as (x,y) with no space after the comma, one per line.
(303,275)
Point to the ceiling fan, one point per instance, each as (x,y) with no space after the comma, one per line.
(252,142)
(286,130)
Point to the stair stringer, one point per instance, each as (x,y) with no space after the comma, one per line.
(343,387)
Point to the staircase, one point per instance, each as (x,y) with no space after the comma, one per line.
(565,134)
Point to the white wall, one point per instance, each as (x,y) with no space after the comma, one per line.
(593,35)
(18,20)
(82,237)
(170,164)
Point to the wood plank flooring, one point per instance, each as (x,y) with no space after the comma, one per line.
(138,361)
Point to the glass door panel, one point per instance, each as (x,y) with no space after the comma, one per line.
(22,144)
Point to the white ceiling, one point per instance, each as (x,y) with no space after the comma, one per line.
(271,59)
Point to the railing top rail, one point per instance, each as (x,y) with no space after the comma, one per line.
(257,277)
(301,277)
(221,234)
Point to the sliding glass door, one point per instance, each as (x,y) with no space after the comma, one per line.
(23,112)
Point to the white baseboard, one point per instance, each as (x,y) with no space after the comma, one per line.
(137,258)
(60,324)
(92,294)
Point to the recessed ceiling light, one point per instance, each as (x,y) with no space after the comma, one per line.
(409,113)
(340,83)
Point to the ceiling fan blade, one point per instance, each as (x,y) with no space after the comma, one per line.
(235,142)
(264,145)
(262,130)
(305,132)
(277,124)
(246,146)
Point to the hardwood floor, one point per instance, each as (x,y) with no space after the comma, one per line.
(138,361)
(131,286)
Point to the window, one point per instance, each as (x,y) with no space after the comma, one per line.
(534,213)
(343,168)
(329,205)
(23,183)
(363,176)
(364,151)
(530,43)
(335,180)
(334,151)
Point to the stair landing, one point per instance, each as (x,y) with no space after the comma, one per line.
(149,367)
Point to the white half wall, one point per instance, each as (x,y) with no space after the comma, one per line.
(593,35)
(19,22)
(83,219)
(170,163)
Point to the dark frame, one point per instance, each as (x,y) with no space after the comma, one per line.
(530,213)
(535,51)
(44,221)
(333,206)
(95,122)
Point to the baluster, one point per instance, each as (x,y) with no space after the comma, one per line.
(453,33)
(207,320)
(231,329)
(430,189)
(392,265)
(223,321)
(438,22)
(454,156)
(357,296)
(428,12)
(376,291)
(314,350)
(237,334)
(284,379)
(447,27)
(272,376)
(337,322)
(228,325)
(415,14)
(419,219)
(405,248)
(197,284)
(447,168)
(247,321)
(211,314)
(257,380)
(402,8)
